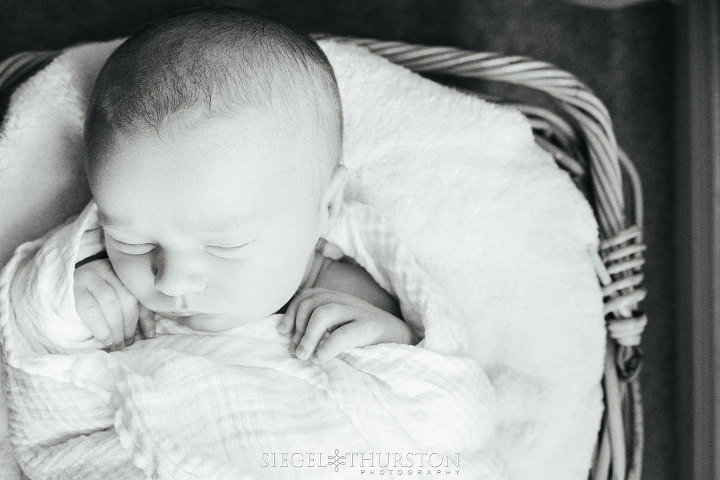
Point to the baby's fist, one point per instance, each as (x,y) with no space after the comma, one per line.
(323,323)
(106,306)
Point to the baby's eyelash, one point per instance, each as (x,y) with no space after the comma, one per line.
(226,251)
(132,244)
(134,248)
(228,247)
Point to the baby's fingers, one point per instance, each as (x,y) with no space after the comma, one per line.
(111,307)
(288,322)
(324,319)
(350,335)
(92,316)
(147,322)
(299,310)
(128,308)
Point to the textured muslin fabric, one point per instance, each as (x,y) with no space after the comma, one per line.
(192,405)
(483,211)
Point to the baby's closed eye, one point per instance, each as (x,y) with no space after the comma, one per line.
(134,248)
(227,251)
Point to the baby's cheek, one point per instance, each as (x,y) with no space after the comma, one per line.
(253,288)
(240,285)
(134,271)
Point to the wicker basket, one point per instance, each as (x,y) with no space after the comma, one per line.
(578,132)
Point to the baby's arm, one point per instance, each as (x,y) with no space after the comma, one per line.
(353,279)
(351,307)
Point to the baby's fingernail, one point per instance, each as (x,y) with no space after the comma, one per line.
(107,342)
(129,341)
(291,348)
(300,352)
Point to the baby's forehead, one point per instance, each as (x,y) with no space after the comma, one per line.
(267,138)
(201,153)
(202,184)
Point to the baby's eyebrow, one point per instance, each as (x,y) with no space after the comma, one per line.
(216,227)
(221,226)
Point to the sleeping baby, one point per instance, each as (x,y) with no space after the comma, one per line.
(213,145)
(213,151)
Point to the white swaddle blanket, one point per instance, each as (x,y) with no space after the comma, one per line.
(191,405)
(485,213)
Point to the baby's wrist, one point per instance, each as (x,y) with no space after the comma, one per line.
(412,337)
(404,333)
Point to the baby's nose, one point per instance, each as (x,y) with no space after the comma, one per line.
(175,277)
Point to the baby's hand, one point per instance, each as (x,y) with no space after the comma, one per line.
(106,306)
(348,321)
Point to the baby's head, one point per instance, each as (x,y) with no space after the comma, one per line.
(213,147)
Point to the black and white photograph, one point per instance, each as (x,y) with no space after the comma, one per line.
(360,239)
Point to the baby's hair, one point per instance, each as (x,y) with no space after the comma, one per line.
(220,61)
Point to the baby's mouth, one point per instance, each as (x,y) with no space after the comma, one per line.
(183,313)
(178,313)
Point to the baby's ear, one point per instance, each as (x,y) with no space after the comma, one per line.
(333,197)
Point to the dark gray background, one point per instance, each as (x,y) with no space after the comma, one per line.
(625,56)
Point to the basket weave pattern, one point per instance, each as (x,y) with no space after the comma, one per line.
(580,137)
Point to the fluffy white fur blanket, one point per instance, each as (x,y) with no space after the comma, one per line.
(484,212)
